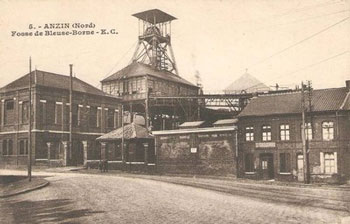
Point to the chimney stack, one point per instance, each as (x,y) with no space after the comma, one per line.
(347,84)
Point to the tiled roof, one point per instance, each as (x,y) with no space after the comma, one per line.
(290,103)
(131,131)
(49,79)
(139,69)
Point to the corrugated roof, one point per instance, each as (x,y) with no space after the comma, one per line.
(139,69)
(225,122)
(290,103)
(131,131)
(191,124)
(50,79)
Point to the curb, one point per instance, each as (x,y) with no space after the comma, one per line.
(26,190)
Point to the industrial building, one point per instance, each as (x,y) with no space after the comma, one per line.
(93,114)
(153,73)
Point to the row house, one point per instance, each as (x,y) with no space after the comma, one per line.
(270,140)
(93,114)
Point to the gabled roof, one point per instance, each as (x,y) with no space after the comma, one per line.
(53,80)
(246,83)
(131,131)
(290,103)
(139,69)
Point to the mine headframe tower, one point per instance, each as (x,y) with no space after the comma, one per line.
(154,43)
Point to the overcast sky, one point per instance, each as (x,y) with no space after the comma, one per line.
(278,41)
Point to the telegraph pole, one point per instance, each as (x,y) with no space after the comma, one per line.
(71,111)
(303,136)
(123,149)
(30,123)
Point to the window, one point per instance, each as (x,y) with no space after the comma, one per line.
(266,133)
(25,112)
(93,116)
(328,162)
(110,118)
(4,148)
(308,131)
(42,111)
(10,105)
(327,130)
(9,114)
(79,114)
(58,112)
(264,164)
(99,117)
(10,147)
(249,134)
(284,162)
(75,112)
(23,147)
(249,163)
(284,132)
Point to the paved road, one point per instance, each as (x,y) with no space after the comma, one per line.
(90,198)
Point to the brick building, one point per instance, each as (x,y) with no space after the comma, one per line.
(94,113)
(209,150)
(270,136)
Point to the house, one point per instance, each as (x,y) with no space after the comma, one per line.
(204,150)
(94,113)
(270,138)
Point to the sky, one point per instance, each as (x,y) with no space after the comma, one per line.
(276,41)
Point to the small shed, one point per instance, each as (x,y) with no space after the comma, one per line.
(138,147)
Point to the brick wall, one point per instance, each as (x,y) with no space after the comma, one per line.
(198,153)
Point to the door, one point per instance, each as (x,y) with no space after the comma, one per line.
(78,153)
(300,167)
(266,165)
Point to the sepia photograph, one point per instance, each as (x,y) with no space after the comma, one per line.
(198,111)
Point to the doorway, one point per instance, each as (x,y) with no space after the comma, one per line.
(266,165)
(300,167)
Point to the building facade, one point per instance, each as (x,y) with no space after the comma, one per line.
(93,113)
(270,138)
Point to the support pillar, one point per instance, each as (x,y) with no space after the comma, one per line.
(65,152)
(85,152)
(145,145)
(49,145)
(103,150)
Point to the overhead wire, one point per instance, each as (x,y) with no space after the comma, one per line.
(299,42)
(319,62)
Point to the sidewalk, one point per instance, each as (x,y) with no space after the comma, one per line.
(22,186)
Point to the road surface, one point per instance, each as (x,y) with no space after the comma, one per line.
(92,198)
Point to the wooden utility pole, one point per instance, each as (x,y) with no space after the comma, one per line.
(71,111)
(123,149)
(30,123)
(303,136)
